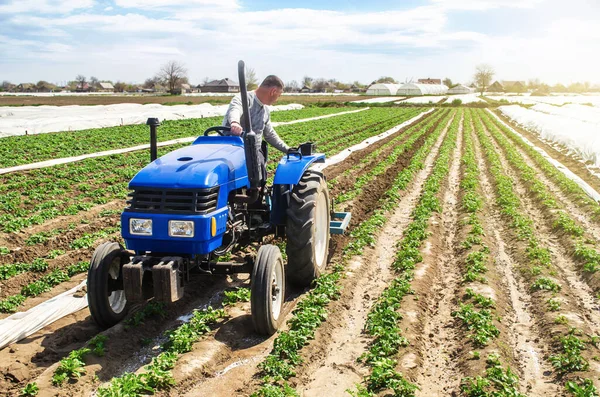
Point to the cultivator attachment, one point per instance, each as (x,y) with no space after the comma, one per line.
(339,222)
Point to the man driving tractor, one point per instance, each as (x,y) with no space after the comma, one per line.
(266,94)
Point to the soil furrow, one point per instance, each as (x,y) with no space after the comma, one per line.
(439,373)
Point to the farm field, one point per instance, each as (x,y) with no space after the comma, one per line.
(470,268)
(164,100)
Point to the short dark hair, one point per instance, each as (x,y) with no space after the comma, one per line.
(272,81)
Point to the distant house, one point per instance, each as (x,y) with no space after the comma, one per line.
(106,87)
(429,81)
(85,88)
(514,86)
(354,88)
(306,89)
(186,88)
(26,87)
(496,87)
(223,85)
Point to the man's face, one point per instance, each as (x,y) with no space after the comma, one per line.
(274,94)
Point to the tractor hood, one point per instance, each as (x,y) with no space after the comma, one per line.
(209,162)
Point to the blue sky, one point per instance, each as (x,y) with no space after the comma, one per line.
(350,40)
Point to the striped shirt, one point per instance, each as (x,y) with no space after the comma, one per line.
(260,117)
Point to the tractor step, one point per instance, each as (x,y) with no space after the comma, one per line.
(339,222)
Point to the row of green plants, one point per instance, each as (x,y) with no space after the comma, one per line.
(415,134)
(539,257)
(280,365)
(567,185)
(157,375)
(582,248)
(378,152)
(496,381)
(44,284)
(17,150)
(475,311)
(383,319)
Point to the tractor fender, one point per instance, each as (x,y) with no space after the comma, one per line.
(292,166)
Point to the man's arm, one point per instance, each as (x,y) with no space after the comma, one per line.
(273,138)
(234,115)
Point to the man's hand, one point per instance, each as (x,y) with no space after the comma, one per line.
(236,128)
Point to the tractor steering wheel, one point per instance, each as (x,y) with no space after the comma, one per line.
(218,129)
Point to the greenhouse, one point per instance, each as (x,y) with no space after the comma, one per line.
(461,89)
(422,89)
(383,89)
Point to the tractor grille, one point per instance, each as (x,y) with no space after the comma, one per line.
(195,201)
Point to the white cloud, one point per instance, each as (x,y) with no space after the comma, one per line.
(108,9)
(485,4)
(148,4)
(44,6)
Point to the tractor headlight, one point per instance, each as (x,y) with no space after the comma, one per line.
(142,227)
(181,228)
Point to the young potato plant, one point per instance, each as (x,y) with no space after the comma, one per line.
(44,284)
(157,375)
(497,382)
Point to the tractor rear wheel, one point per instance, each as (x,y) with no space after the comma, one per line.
(267,292)
(307,229)
(106,296)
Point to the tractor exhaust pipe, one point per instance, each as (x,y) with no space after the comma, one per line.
(153,123)
(250,146)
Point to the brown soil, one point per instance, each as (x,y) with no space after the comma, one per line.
(143,99)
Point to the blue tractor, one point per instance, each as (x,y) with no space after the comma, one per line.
(192,206)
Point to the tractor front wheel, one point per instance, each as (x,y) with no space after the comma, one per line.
(307,229)
(106,296)
(267,292)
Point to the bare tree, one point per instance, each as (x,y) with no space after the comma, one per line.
(81,80)
(447,82)
(484,74)
(307,81)
(292,86)
(6,85)
(172,74)
(251,80)
(94,83)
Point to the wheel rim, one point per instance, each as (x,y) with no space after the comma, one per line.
(116,299)
(321,230)
(276,290)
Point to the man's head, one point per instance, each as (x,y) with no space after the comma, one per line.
(270,89)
